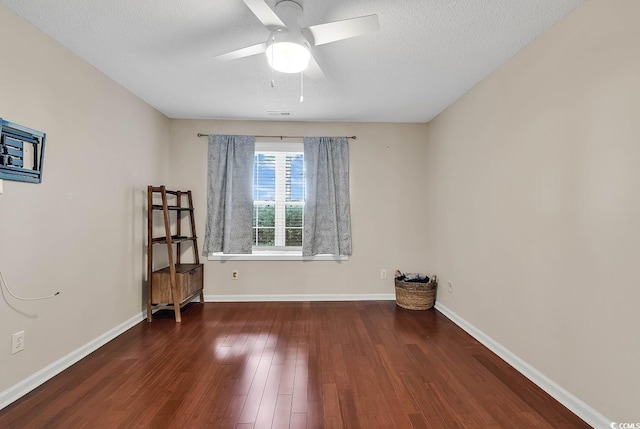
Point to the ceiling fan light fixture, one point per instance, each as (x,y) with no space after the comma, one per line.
(287,53)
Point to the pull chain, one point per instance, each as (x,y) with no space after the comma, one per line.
(273,83)
(301,87)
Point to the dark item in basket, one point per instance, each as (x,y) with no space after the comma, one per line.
(415,295)
(412,277)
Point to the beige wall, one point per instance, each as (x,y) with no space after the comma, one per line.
(538,209)
(387,207)
(81,231)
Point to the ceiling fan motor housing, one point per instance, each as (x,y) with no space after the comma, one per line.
(290,12)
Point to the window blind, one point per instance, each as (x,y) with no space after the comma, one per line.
(278,194)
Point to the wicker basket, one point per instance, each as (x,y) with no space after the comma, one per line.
(416,296)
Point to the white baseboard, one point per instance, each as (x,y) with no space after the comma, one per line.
(301,297)
(28,384)
(579,408)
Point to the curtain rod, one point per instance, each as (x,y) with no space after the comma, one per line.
(276,137)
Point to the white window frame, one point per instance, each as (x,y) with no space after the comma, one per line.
(279,252)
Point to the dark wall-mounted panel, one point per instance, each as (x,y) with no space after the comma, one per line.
(21,153)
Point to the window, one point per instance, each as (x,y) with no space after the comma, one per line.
(278,196)
(278,206)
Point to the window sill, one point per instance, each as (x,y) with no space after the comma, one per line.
(274,256)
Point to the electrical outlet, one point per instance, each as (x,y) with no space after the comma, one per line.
(17,342)
(234,274)
(383,274)
(1,189)
(449,287)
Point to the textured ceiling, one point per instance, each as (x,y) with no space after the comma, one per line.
(426,55)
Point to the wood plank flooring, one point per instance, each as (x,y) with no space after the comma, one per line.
(291,365)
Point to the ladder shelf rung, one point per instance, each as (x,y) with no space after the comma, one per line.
(174,239)
(184,209)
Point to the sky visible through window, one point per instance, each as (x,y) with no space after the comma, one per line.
(264,177)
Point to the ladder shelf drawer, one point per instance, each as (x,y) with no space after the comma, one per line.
(189,280)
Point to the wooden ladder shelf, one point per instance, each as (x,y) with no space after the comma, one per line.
(179,283)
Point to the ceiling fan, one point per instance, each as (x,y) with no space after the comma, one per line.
(288,48)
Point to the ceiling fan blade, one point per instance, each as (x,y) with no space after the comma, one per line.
(339,30)
(241,53)
(313,71)
(265,14)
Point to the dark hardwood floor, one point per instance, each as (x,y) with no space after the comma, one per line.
(291,365)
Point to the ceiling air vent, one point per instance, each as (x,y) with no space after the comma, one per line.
(278,113)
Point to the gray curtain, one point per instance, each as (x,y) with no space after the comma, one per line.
(327,218)
(229,194)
